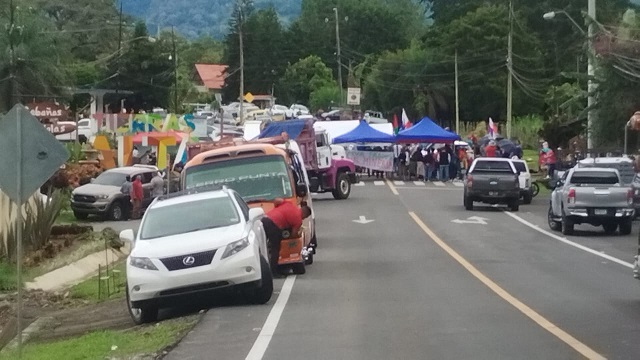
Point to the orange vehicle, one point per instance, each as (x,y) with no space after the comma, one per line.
(260,172)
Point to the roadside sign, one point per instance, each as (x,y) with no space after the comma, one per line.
(218,97)
(248,97)
(353,96)
(41,154)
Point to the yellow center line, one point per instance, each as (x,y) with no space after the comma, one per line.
(539,319)
(392,187)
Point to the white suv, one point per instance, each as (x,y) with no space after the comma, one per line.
(195,241)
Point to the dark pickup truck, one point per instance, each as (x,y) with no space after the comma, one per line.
(492,181)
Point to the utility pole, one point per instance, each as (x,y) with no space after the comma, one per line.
(119,49)
(591,87)
(175,72)
(457,97)
(12,58)
(240,26)
(510,70)
(335,10)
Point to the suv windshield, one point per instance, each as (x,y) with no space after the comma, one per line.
(111,178)
(189,217)
(261,177)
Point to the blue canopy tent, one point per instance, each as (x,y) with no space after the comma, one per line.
(364,133)
(426,131)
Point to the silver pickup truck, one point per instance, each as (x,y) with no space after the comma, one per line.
(592,196)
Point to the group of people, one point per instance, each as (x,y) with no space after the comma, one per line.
(134,191)
(430,163)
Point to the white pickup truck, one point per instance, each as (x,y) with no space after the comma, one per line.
(594,196)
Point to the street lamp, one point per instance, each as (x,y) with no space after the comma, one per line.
(591,13)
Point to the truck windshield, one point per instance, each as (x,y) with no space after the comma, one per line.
(260,177)
(111,178)
(594,178)
(492,166)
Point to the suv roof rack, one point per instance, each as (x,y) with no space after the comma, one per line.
(195,190)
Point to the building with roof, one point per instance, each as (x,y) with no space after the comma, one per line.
(209,78)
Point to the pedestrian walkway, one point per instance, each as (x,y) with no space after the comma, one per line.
(412,184)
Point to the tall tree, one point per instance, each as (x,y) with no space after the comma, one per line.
(263,38)
(34,61)
(303,77)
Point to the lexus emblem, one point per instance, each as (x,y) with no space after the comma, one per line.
(189,260)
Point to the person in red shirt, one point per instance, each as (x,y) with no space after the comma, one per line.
(284,216)
(136,197)
(490,150)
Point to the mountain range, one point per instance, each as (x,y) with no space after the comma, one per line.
(194,18)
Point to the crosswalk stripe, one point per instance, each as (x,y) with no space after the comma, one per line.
(378,183)
(438,183)
(418,183)
(458,184)
(398,182)
(361,183)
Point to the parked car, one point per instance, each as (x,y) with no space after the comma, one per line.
(591,196)
(299,109)
(192,242)
(103,197)
(492,181)
(524,177)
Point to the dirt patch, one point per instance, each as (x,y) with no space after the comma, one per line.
(70,317)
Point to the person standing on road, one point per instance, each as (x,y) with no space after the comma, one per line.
(136,196)
(443,164)
(126,189)
(157,184)
(284,216)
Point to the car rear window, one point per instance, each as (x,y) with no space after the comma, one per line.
(520,166)
(594,178)
(492,166)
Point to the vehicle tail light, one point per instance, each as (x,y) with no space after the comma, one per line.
(630,196)
(469,181)
(571,199)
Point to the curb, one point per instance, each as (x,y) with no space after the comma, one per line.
(34,327)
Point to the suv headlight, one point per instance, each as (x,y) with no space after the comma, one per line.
(235,247)
(142,263)
(102,197)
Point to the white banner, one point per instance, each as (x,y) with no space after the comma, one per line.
(374,160)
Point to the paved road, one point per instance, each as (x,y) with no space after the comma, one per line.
(414,285)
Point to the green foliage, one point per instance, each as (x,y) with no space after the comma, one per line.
(75,152)
(324,97)
(8,274)
(88,289)
(34,67)
(263,41)
(39,217)
(526,129)
(303,77)
(98,344)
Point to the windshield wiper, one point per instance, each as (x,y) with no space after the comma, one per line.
(257,200)
(204,228)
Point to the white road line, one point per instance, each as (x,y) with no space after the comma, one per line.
(418,183)
(378,183)
(458,184)
(569,242)
(438,183)
(398,182)
(264,338)
(361,183)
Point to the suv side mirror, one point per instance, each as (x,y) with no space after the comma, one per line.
(255,213)
(554,183)
(127,236)
(301,189)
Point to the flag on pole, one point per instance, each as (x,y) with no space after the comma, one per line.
(405,120)
(492,129)
(395,124)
